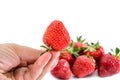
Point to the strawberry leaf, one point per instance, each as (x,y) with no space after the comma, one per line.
(79,39)
(77,49)
(71,47)
(95,45)
(117,50)
(44,46)
(87,44)
(75,54)
(62,53)
(111,50)
(90,48)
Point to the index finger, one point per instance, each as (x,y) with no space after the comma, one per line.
(27,54)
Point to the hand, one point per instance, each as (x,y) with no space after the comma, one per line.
(24,63)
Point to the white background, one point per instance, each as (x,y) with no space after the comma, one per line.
(24,22)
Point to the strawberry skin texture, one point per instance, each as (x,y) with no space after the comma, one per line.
(97,54)
(83,66)
(108,65)
(79,45)
(56,36)
(62,70)
(67,56)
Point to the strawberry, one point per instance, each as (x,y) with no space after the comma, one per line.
(67,56)
(95,50)
(56,36)
(62,70)
(79,43)
(83,66)
(109,64)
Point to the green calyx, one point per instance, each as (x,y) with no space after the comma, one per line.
(62,53)
(92,47)
(74,51)
(79,39)
(117,52)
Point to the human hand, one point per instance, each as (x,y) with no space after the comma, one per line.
(24,63)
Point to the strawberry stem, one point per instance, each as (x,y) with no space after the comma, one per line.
(47,49)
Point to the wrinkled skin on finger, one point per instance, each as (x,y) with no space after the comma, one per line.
(24,63)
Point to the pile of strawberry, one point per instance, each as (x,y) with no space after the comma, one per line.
(78,57)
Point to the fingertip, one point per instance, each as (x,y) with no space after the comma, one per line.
(46,54)
(56,57)
(43,59)
(55,53)
(40,64)
(53,61)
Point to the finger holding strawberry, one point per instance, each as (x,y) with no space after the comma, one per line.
(78,57)
(56,38)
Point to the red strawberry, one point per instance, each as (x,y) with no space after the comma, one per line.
(56,36)
(83,66)
(95,50)
(67,56)
(62,70)
(79,43)
(109,64)
(79,46)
